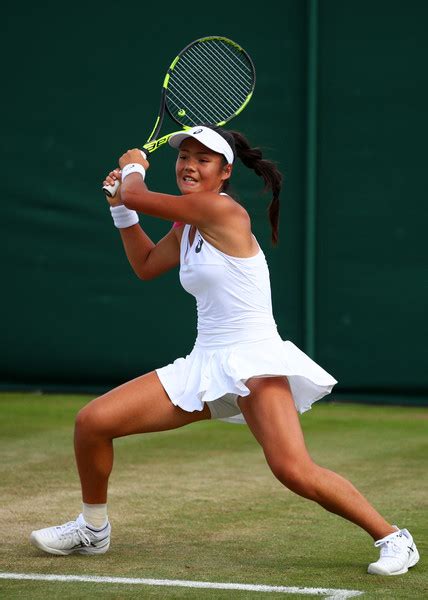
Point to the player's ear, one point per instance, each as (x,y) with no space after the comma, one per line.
(227,172)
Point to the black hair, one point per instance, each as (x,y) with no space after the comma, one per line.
(253,159)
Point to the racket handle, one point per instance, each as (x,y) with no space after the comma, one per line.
(110,190)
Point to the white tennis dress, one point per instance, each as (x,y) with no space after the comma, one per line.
(237,336)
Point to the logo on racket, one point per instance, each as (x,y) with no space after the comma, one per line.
(151,146)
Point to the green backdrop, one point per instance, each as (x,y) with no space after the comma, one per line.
(340,104)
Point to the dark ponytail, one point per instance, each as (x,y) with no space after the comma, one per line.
(252,158)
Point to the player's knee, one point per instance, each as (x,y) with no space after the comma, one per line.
(296,476)
(89,421)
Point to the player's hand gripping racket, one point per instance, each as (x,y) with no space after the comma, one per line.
(208,83)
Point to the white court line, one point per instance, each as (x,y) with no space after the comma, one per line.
(328,594)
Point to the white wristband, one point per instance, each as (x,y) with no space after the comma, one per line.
(133,168)
(123,217)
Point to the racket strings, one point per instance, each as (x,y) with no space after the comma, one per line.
(209,83)
(197,105)
(217,83)
(217,103)
(222,102)
(218,68)
(192,116)
(233,65)
(182,80)
(205,60)
(202,84)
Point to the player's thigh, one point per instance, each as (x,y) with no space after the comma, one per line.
(138,406)
(271,414)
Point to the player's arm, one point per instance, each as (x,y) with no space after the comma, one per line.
(200,209)
(147,259)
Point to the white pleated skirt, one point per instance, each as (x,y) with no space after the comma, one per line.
(218,375)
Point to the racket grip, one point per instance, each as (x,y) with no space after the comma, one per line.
(110,190)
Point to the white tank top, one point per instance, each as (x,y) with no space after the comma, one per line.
(233,295)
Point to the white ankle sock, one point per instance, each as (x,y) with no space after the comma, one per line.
(95,515)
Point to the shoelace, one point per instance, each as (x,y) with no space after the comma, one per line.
(72,527)
(389,547)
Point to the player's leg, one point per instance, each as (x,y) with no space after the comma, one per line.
(139,406)
(272,417)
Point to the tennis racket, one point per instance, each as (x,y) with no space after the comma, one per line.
(208,83)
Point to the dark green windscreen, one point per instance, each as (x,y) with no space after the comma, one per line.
(372,262)
(74,98)
(74,313)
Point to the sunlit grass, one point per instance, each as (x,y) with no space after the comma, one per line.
(200,503)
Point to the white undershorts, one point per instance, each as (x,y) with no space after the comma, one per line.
(224,407)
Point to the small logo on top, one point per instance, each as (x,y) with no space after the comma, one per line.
(199,245)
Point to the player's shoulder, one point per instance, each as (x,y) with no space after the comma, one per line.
(237,209)
(231,205)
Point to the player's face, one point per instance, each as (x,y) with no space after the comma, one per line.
(199,169)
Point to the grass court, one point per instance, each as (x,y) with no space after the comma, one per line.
(200,504)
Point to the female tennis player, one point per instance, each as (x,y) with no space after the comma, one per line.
(239,368)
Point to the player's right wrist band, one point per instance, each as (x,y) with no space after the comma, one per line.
(123,217)
(133,168)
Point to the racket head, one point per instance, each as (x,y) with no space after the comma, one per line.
(210,81)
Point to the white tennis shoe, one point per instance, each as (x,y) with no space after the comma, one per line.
(73,537)
(398,553)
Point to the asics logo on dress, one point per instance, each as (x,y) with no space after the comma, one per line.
(199,245)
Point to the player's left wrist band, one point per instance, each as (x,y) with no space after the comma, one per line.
(123,217)
(133,168)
